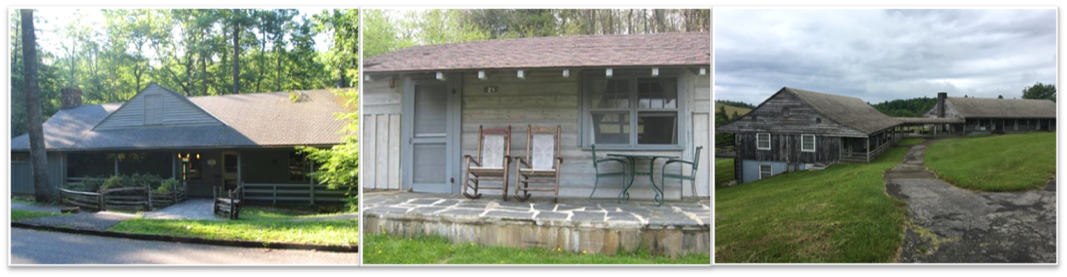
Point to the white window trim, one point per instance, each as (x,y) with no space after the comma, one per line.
(585,110)
(813,143)
(768,141)
(770,170)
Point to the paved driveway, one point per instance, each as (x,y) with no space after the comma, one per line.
(951,225)
(40,247)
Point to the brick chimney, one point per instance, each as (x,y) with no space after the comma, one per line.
(941,104)
(70,98)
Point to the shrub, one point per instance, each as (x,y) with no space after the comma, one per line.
(168,186)
(116,181)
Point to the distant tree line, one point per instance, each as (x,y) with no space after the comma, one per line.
(390,30)
(193,51)
(914,107)
(738,104)
(1040,91)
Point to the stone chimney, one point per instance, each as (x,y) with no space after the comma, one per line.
(941,104)
(70,98)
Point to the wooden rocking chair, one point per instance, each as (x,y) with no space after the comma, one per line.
(492,163)
(541,164)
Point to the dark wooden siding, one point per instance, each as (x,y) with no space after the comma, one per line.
(786,114)
(786,148)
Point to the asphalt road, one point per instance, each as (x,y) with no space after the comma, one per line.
(40,247)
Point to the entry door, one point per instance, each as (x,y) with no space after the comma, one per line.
(430,132)
(230,170)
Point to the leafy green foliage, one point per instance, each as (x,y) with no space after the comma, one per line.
(914,107)
(995,163)
(338,166)
(1040,91)
(129,181)
(168,185)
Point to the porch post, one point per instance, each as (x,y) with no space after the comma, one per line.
(116,163)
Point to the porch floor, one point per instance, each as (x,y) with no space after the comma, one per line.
(588,225)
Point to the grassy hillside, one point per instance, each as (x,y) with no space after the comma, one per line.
(836,215)
(996,163)
(724,170)
(730,109)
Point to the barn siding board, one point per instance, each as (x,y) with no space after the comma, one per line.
(785,113)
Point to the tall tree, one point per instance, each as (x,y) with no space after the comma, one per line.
(41,185)
(1040,91)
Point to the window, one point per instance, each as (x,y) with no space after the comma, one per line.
(764,171)
(818,120)
(763,141)
(807,143)
(192,166)
(298,166)
(19,157)
(628,112)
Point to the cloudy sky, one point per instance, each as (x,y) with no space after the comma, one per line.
(880,55)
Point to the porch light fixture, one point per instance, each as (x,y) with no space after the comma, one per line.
(607,73)
(655,72)
(197,156)
(522,74)
(566,73)
(440,76)
(481,75)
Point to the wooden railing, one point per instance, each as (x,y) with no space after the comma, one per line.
(291,193)
(131,198)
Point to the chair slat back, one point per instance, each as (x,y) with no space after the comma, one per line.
(542,147)
(493,146)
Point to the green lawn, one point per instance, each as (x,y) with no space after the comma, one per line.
(997,163)
(390,249)
(17,215)
(837,215)
(256,224)
(911,141)
(724,170)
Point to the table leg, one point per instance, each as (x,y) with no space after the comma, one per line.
(625,195)
(652,179)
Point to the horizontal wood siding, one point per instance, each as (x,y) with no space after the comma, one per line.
(380,131)
(546,98)
(786,148)
(176,111)
(784,113)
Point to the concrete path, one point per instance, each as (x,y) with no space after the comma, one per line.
(951,225)
(34,207)
(39,247)
(198,209)
(99,221)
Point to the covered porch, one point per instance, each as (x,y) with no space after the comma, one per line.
(267,175)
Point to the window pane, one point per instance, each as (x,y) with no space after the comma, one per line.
(611,94)
(611,128)
(657,128)
(657,93)
(807,143)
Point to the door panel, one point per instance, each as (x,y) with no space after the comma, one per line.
(429,134)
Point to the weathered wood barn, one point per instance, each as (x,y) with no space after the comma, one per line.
(208,142)
(797,129)
(423,107)
(993,115)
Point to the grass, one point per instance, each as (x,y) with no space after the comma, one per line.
(17,215)
(998,163)
(967,137)
(724,170)
(391,249)
(911,141)
(730,109)
(257,224)
(837,215)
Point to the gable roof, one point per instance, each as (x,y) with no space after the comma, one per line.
(846,110)
(252,120)
(662,49)
(179,111)
(851,112)
(1002,108)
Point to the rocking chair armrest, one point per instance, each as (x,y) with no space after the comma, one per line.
(472,159)
(522,162)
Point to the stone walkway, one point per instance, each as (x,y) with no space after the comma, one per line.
(197,209)
(951,225)
(568,212)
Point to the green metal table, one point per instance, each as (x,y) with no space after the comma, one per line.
(632,158)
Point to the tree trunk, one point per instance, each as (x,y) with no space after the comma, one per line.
(236,57)
(42,187)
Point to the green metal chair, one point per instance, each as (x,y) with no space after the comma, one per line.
(597,167)
(680,176)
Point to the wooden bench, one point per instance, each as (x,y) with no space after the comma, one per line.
(229,206)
